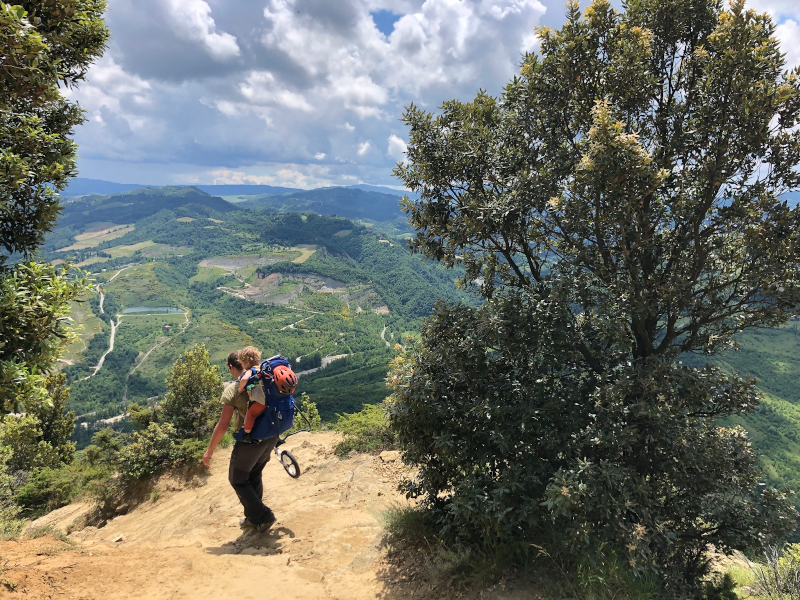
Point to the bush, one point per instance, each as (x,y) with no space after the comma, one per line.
(310,418)
(150,450)
(47,489)
(365,431)
(10,523)
(192,400)
(777,577)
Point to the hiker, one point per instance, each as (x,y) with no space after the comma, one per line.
(247,459)
(250,382)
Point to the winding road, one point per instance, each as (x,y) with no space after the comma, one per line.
(100,362)
(114,326)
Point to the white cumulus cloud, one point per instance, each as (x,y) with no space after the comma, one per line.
(788,33)
(261,88)
(193,21)
(397,147)
(363,148)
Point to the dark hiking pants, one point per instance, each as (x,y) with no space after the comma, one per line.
(244,473)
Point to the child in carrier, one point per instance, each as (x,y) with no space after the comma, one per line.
(250,358)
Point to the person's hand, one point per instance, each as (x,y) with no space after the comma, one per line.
(207,457)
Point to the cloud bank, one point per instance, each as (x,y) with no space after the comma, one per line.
(295,92)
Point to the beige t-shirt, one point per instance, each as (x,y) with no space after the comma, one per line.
(232,397)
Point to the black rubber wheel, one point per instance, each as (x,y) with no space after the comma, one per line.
(290,463)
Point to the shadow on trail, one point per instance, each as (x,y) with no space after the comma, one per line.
(255,543)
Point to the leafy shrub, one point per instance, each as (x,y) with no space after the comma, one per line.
(40,438)
(310,418)
(47,489)
(150,449)
(365,431)
(193,389)
(10,523)
(777,577)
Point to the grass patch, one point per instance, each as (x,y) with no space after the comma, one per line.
(139,286)
(239,198)
(365,431)
(247,274)
(127,251)
(39,532)
(185,219)
(92,261)
(343,233)
(207,274)
(306,251)
(88,325)
(94,237)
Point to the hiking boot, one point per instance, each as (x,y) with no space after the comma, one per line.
(267,522)
(247,524)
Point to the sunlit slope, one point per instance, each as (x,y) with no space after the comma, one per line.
(773,357)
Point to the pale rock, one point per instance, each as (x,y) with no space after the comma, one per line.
(388,456)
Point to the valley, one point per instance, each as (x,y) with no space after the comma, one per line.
(329,293)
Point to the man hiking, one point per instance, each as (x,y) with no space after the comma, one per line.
(247,459)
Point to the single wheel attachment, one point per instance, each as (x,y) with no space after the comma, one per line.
(290,463)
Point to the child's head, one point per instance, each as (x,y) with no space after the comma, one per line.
(249,357)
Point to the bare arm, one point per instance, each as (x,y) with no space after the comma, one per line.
(219,431)
(243,382)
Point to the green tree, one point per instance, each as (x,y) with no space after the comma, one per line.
(193,390)
(55,421)
(44,44)
(616,207)
(40,438)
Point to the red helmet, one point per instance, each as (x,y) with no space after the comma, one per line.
(285,380)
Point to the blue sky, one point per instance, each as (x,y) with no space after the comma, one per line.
(302,93)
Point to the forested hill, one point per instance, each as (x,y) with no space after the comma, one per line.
(344,202)
(365,202)
(127,208)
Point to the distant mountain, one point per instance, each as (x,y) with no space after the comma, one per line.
(245,190)
(349,202)
(385,190)
(81,186)
(129,207)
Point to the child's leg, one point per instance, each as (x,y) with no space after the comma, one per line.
(253,410)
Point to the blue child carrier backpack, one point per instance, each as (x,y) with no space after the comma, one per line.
(278,416)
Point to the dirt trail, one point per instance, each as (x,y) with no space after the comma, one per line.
(326,543)
(100,362)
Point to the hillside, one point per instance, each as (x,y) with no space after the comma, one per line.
(183,541)
(186,543)
(344,202)
(174,267)
(304,285)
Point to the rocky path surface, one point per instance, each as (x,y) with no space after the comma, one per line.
(326,544)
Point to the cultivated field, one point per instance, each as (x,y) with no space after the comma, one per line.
(97,234)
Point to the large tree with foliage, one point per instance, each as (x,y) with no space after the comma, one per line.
(45,45)
(193,390)
(618,208)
